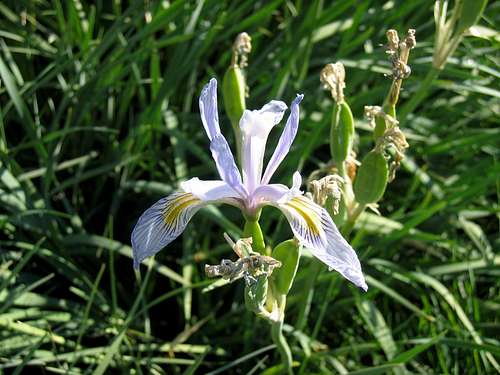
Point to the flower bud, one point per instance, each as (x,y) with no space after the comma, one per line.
(234,86)
(371,179)
(342,132)
(233,92)
(288,253)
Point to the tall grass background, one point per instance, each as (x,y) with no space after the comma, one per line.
(99,119)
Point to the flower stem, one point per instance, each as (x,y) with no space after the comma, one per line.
(279,339)
(349,225)
(252,229)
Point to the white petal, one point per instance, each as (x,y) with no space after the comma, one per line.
(285,141)
(221,152)
(208,191)
(208,109)
(269,193)
(258,123)
(297,181)
(314,228)
(255,127)
(224,160)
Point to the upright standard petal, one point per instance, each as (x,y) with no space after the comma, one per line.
(285,141)
(224,160)
(221,152)
(314,228)
(255,127)
(165,220)
(208,109)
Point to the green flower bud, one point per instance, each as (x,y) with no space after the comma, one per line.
(342,132)
(371,179)
(233,92)
(288,253)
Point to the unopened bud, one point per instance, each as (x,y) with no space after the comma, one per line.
(288,254)
(234,86)
(372,178)
(341,132)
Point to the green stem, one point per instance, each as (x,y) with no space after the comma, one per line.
(422,92)
(282,345)
(252,229)
(349,225)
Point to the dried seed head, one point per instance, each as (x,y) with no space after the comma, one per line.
(333,78)
(374,111)
(351,165)
(397,138)
(410,40)
(327,187)
(241,48)
(394,137)
(392,41)
(399,52)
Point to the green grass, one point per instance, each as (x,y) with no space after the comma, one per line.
(99,118)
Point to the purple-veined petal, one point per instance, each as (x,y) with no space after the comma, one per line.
(224,160)
(221,152)
(255,127)
(165,220)
(314,228)
(208,109)
(162,223)
(285,141)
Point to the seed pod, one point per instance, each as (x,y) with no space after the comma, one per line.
(380,125)
(342,132)
(371,179)
(233,92)
(470,13)
(288,253)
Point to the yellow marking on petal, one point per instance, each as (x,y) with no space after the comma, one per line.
(179,204)
(310,217)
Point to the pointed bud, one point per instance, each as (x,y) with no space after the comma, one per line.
(372,178)
(342,132)
(288,253)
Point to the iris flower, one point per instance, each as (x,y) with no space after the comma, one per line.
(250,191)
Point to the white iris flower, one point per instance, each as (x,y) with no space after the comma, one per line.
(310,223)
